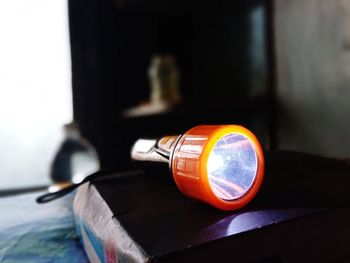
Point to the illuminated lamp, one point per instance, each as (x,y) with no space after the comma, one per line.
(222,165)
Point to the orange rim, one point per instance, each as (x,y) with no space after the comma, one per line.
(213,138)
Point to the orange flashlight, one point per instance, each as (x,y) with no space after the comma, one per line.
(222,165)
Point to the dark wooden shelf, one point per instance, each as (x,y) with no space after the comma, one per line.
(301,214)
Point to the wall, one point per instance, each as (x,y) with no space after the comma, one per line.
(313,75)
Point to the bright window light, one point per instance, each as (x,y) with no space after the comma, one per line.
(35,88)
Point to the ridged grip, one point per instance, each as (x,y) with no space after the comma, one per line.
(186,161)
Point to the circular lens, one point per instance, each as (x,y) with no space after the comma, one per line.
(232,166)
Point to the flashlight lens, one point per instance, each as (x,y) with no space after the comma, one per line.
(232,166)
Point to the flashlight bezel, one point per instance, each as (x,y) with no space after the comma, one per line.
(193,179)
(213,139)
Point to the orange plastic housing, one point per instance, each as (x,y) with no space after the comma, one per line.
(189,164)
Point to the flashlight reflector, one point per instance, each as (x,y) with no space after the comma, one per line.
(232,166)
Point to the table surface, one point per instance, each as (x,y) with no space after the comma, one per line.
(150,207)
(30,232)
(300,210)
(162,220)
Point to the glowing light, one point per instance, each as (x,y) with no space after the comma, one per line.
(232,166)
(215,162)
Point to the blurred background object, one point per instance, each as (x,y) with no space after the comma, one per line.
(75,159)
(164,80)
(165,94)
